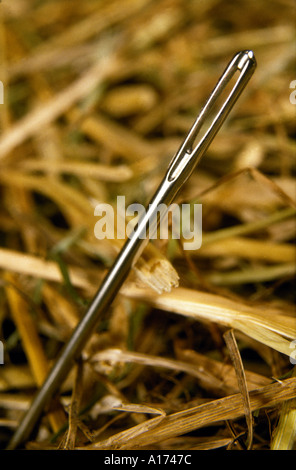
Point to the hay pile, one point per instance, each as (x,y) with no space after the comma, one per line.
(196,352)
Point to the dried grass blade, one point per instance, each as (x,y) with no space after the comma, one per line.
(115,442)
(16,377)
(26,329)
(242,382)
(135,408)
(209,443)
(45,114)
(249,227)
(269,327)
(31,341)
(212,375)
(180,423)
(254,275)
(117,355)
(114,136)
(154,270)
(15,402)
(284,437)
(116,173)
(42,269)
(74,409)
(250,249)
(222,371)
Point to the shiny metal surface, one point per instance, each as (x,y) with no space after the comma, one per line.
(181,167)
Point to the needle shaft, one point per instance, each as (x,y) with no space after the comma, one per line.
(178,172)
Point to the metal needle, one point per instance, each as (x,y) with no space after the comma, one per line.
(180,168)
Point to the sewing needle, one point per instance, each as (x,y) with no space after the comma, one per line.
(180,168)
